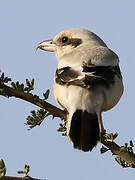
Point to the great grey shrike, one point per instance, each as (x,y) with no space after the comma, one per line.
(87,82)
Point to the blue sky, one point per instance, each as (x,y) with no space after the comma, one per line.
(23,25)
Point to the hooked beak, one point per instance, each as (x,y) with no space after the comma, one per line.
(47,45)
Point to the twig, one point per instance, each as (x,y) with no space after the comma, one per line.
(56,112)
(116,150)
(19,178)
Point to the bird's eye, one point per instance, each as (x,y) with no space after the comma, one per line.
(64,39)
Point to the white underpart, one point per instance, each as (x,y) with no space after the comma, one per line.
(93,100)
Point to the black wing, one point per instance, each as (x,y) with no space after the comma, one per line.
(89,76)
(101,75)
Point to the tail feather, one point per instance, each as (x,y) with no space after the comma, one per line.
(75,128)
(84,130)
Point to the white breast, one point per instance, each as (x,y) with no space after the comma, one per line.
(93,100)
(75,97)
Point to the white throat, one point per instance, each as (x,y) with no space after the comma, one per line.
(69,62)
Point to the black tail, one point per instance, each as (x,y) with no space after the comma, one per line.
(84,130)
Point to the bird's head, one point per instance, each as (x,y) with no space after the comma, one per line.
(70,42)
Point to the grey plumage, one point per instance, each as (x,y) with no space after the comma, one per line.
(87,82)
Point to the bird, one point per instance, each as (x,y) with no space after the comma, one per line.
(87,82)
